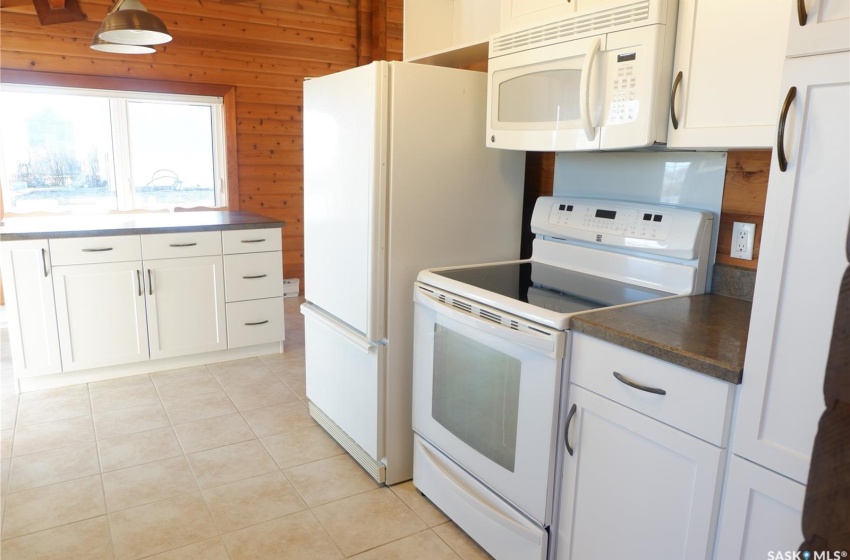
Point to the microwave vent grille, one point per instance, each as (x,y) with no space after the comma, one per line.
(574,26)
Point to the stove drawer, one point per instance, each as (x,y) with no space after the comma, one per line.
(694,403)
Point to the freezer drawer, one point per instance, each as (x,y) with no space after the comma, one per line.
(345,378)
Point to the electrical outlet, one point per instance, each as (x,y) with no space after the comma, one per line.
(743,238)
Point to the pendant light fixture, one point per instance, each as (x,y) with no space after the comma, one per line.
(129,28)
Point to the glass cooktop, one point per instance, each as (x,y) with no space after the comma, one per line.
(550,287)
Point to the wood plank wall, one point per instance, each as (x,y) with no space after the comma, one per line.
(744,195)
(263,48)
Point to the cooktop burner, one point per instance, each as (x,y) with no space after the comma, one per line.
(550,287)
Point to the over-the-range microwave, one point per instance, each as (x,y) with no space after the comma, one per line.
(596,80)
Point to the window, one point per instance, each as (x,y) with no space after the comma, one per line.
(67,149)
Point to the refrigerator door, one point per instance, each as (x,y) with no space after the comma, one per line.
(345,158)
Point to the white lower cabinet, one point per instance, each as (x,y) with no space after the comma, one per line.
(634,487)
(761,513)
(100,310)
(185,306)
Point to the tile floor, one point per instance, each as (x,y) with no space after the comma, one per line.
(210,463)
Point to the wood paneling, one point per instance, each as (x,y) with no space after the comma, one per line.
(260,50)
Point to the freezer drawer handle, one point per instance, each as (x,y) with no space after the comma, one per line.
(253,240)
(97,250)
(623,379)
(365,344)
(567,429)
(257,323)
(254,277)
(182,244)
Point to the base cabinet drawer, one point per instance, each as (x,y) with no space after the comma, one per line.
(253,276)
(254,322)
(94,250)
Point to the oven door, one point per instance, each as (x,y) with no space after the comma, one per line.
(486,395)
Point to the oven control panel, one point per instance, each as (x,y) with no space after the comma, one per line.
(639,226)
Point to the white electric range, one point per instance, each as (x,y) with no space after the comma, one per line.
(491,346)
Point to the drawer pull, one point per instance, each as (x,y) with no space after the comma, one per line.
(254,277)
(780,130)
(673,118)
(257,323)
(150,284)
(253,240)
(182,244)
(139,281)
(623,379)
(97,250)
(567,429)
(44,261)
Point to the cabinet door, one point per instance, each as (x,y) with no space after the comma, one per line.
(185,302)
(28,287)
(800,270)
(761,513)
(517,14)
(634,487)
(819,26)
(100,309)
(728,88)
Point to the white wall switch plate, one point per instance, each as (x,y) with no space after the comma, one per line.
(743,239)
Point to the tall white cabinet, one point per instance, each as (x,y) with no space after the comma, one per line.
(807,215)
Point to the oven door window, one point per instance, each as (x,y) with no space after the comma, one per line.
(476,395)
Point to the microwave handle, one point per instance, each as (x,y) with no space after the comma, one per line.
(584,90)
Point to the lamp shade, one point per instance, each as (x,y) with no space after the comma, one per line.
(132,24)
(99,44)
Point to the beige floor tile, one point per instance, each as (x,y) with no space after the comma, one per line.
(329,480)
(294,354)
(116,398)
(52,435)
(421,546)
(230,463)
(55,393)
(421,506)
(5,468)
(213,432)
(278,419)
(8,411)
(249,371)
(53,406)
(295,380)
(185,382)
(57,465)
(199,407)
(139,448)
(151,482)
(127,381)
(51,506)
(159,527)
(212,549)
(260,395)
(130,421)
(252,501)
(83,540)
(301,446)
(460,542)
(6,438)
(295,537)
(367,520)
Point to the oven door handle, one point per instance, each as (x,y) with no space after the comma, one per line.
(545,341)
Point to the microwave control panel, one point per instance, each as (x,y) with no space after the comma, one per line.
(624,101)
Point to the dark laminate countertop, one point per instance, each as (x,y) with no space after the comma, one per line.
(706,333)
(130,224)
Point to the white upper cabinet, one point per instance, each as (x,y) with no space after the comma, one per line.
(800,269)
(28,287)
(516,14)
(818,27)
(726,73)
(449,32)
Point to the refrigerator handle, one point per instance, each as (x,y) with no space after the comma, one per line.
(364,343)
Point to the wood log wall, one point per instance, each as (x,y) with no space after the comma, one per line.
(261,48)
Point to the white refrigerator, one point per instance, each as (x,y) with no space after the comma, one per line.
(396,179)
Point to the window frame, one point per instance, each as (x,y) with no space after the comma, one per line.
(140,87)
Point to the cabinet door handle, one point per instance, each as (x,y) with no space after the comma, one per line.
(44,261)
(673,118)
(253,240)
(254,277)
(567,429)
(139,281)
(802,16)
(780,130)
(257,323)
(100,250)
(150,284)
(182,244)
(634,384)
